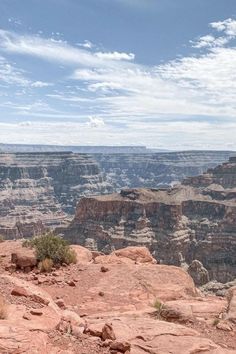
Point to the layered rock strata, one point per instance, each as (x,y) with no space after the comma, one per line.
(152,170)
(39,190)
(192,221)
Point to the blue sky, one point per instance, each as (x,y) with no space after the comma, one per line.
(160,73)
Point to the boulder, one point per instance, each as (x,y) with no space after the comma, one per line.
(24,260)
(72,318)
(108,332)
(83,255)
(136,254)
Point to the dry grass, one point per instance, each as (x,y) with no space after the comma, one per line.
(46,265)
(3,309)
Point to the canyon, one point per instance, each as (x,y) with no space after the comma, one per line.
(40,189)
(195,220)
(178,222)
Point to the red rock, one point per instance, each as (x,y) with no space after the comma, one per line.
(84,256)
(108,332)
(60,303)
(137,254)
(94,330)
(72,317)
(25,259)
(77,331)
(15,338)
(19,291)
(71,283)
(104,269)
(36,312)
(224,326)
(121,347)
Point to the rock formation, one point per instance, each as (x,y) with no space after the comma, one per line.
(154,170)
(39,190)
(192,221)
(137,307)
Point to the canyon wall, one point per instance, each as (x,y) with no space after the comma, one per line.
(194,220)
(40,190)
(155,170)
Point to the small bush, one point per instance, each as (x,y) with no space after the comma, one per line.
(3,309)
(45,266)
(53,247)
(158,305)
(71,257)
(216,321)
(27,243)
(2,238)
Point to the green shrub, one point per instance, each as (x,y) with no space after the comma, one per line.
(158,305)
(27,243)
(53,247)
(45,266)
(2,238)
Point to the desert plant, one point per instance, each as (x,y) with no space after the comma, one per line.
(158,305)
(27,243)
(3,309)
(2,238)
(53,247)
(45,266)
(70,257)
(216,321)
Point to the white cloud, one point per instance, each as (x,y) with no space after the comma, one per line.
(227,26)
(113,86)
(25,124)
(56,50)
(228,29)
(95,122)
(86,44)
(115,56)
(174,135)
(40,84)
(11,75)
(210,41)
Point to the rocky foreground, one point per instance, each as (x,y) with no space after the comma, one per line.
(118,303)
(192,225)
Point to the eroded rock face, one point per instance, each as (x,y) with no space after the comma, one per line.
(40,190)
(193,221)
(153,170)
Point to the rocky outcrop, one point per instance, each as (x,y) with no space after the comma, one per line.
(192,221)
(137,307)
(40,190)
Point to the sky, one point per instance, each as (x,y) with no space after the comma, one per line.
(159,73)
